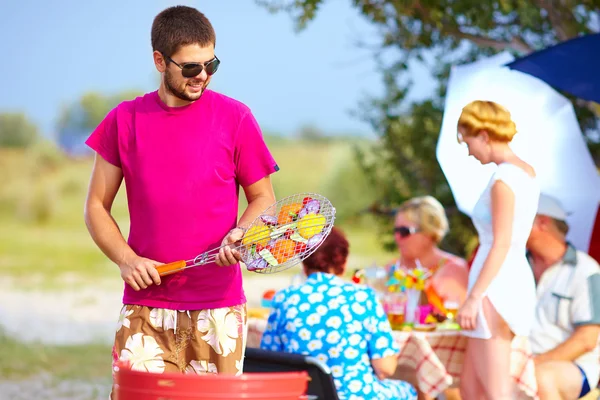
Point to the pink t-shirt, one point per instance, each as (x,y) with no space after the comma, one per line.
(182,168)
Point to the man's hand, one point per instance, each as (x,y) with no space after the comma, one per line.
(139,272)
(228,255)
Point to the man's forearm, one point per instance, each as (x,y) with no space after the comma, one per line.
(255,208)
(106,234)
(569,350)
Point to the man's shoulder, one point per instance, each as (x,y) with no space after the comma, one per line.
(586,265)
(226,102)
(129,106)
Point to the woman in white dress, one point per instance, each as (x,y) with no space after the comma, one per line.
(501,294)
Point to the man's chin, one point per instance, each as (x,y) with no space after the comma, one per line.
(193,95)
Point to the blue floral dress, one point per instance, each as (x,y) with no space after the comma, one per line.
(342,325)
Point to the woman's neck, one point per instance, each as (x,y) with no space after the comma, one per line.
(429,259)
(501,153)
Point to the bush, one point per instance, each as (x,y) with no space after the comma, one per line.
(46,156)
(16,130)
(348,188)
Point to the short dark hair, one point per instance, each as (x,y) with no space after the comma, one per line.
(180,26)
(331,256)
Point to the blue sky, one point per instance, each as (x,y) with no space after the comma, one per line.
(56,51)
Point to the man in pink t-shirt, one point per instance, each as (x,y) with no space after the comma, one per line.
(183,152)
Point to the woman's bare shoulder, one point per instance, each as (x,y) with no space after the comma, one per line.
(453,260)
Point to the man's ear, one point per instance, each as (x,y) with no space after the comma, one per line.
(544,222)
(159,61)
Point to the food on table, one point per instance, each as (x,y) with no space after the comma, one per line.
(434,299)
(260,313)
(448,326)
(288,213)
(424,327)
(311,225)
(430,319)
(260,234)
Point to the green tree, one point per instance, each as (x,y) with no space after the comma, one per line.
(311,133)
(16,130)
(438,34)
(83,115)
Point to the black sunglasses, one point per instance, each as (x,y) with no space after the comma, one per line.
(192,69)
(405,231)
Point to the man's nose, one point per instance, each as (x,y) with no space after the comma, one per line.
(202,75)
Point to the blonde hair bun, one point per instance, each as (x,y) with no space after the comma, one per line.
(487,116)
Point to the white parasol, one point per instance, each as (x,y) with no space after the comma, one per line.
(549,138)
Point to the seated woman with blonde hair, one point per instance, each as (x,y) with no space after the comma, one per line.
(339,323)
(420,225)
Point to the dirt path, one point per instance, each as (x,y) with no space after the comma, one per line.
(85,314)
(43,387)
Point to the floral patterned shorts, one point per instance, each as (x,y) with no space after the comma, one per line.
(201,341)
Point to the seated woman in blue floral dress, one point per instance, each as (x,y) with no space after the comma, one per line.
(341,324)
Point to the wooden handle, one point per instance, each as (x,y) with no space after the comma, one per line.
(170,268)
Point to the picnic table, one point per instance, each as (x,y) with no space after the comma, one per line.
(437,357)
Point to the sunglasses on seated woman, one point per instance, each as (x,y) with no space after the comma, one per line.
(405,231)
(192,69)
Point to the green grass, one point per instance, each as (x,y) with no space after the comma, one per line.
(43,236)
(43,239)
(83,362)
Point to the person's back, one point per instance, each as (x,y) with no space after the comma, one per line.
(340,324)
(526,193)
(337,323)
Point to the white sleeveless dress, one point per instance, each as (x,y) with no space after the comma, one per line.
(512,291)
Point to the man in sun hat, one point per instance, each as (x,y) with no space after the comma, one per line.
(565,332)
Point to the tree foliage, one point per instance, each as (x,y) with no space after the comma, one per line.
(16,130)
(83,115)
(440,33)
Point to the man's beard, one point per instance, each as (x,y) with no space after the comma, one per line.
(170,86)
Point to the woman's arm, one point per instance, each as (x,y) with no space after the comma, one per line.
(385,367)
(382,348)
(503,208)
